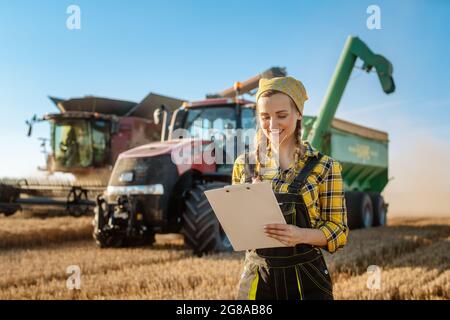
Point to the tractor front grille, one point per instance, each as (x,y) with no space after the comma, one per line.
(157,173)
(143,171)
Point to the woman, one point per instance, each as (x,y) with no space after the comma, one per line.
(308,186)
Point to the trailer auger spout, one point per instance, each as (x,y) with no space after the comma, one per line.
(354,48)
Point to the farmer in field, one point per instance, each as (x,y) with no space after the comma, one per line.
(309,188)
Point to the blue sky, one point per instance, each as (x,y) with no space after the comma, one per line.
(189,48)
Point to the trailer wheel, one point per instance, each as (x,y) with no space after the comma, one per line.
(379,209)
(359,209)
(201,229)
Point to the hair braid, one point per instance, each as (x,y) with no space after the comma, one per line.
(298,142)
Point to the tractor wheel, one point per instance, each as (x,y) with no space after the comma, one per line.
(201,229)
(359,209)
(379,209)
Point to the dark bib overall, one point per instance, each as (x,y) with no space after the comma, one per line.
(296,272)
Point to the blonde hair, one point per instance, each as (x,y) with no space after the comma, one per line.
(265,144)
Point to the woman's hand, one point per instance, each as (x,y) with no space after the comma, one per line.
(287,234)
(292,235)
(256,179)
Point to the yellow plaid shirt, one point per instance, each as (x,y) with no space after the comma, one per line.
(323,193)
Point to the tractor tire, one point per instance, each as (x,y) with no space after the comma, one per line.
(359,209)
(379,209)
(201,229)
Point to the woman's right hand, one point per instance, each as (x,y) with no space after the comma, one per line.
(256,179)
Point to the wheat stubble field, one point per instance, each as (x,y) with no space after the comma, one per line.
(413,255)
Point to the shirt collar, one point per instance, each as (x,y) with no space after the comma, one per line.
(309,150)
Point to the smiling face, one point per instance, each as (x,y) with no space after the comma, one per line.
(278,117)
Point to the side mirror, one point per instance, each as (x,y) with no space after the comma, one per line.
(157,116)
(161,116)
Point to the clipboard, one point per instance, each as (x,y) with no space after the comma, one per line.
(243,210)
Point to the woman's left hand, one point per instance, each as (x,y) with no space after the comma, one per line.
(288,234)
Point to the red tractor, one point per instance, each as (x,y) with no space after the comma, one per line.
(149,193)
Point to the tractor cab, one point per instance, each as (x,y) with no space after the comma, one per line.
(221,120)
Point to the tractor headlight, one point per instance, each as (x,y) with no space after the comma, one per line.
(153,189)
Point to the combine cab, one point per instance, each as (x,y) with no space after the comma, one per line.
(89,133)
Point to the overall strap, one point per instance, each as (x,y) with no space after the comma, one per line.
(249,168)
(300,179)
